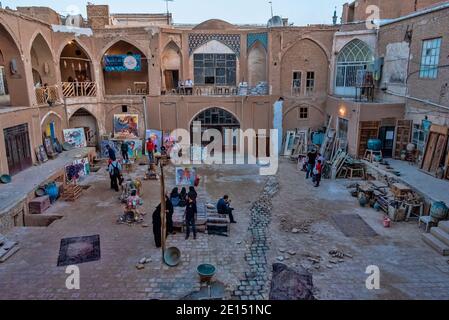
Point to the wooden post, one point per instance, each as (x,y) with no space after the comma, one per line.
(163,208)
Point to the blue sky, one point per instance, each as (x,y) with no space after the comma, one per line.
(301,12)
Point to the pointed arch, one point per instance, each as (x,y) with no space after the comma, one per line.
(42,60)
(354,57)
(75,63)
(315,41)
(15,86)
(114,42)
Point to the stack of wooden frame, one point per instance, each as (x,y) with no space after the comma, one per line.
(72,192)
(403,137)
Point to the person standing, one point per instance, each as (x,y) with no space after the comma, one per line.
(189,215)
(150,150)
(115,170)
(311,158)
(317,173)
(169,214)
(125,149)
(192,194)
(111,153)
(157,225)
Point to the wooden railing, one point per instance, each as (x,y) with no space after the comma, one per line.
(47,95)
(79,89)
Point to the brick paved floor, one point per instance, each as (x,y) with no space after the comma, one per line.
(409,269)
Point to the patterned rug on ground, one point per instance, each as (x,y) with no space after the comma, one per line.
(78,250)
(352,226)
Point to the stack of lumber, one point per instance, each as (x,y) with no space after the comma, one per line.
(72,192)
(39,205)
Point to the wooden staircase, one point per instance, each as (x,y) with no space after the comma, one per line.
(438,238)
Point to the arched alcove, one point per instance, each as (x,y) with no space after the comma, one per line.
(82,118)
(257,64)
(13,86)
(171,67)
(125,70)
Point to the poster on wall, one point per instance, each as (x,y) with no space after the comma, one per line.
(155,136)
(75,137)
(126,126)
(185,176)
(122,63)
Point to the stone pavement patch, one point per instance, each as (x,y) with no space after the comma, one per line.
(254,286)
(353,226)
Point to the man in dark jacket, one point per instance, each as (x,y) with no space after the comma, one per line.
(125,149)
(223,207)
(111,153)
(190,218)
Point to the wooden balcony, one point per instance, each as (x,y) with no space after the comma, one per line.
(79,89)
(47,95)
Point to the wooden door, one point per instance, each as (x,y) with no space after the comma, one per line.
(430,151)
(439,153)
(18,148)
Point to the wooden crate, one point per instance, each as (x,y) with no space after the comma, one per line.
(39,205)
(400,190)
(72,192)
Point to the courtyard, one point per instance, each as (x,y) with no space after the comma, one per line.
(409,268)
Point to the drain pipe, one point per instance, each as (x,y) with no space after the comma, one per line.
(419,100)
(144,100)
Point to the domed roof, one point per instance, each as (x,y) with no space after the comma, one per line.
(276,21)
(214,24)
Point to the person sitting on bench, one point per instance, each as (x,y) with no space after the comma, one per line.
(223,207)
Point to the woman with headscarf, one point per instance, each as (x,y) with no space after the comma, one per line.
(192,194)
(174,197)
(183,198)
(157,224)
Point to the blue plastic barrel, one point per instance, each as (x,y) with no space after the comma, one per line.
(374,144)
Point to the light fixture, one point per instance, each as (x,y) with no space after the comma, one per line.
(342,111)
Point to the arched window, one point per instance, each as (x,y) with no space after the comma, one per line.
(354,57)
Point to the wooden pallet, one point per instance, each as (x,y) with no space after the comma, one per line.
(72,193)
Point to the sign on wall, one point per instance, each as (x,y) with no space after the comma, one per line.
(122,63)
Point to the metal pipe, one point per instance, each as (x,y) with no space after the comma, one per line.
(418,99)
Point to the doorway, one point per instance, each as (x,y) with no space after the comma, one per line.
(171,79)
(18,148)
(386,135)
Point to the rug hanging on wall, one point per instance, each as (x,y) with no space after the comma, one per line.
(78,250)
